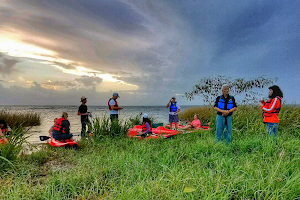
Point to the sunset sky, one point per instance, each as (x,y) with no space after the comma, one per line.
(54,52)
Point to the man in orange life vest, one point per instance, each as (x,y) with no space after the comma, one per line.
(271,109)
(113,107)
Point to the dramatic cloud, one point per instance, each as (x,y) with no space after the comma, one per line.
(89,81)
(7,66)
(153,48)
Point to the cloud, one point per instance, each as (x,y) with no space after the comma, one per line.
(89,81)
(66,84)
(7,66)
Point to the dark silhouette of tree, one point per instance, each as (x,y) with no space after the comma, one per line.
(210,88)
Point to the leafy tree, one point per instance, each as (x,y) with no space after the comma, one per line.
(210,88)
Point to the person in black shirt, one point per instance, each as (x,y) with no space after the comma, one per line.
(225,105)
(82,111)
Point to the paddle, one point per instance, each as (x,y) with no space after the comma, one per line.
(43,138)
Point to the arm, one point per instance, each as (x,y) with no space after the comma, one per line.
(51,130)
(219,110)
(167,106)
(177,111)
(116,108)
(79,113)
(1,134)
(148,128)
(272,106)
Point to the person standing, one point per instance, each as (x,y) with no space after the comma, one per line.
(113,107)
(174,109)
(271,109)
(83,112)
(225,105)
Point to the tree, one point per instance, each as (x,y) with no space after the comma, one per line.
(210,88)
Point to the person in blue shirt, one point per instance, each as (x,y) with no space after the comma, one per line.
(225,105)
(174,109)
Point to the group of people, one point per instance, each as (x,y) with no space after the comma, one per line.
(225,105)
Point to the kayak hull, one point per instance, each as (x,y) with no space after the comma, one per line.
(56,143)
(161,132)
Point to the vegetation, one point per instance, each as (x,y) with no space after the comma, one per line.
(10,151)
(189,166)
(15,120)
(205,114)
(210,87)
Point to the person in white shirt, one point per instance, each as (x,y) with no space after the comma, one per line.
(113,107)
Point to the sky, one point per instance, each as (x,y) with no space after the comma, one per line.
(54,52)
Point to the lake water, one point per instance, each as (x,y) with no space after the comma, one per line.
(48,113)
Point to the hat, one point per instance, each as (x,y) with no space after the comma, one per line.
(145,115)
(173,97)
(82,98)
(116,94)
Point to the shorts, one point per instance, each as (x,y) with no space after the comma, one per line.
(173,118)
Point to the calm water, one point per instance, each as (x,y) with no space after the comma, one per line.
(48,113)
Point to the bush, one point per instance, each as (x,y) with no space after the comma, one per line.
(205,114)
(15,120)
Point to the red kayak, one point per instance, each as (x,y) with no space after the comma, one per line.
(173,125)
(67,143)
(160,132)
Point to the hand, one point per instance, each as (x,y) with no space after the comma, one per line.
(260,104)
(120,108)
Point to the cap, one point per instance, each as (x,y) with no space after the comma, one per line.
(145,115)
(173,97)
(82,98)
(116,94)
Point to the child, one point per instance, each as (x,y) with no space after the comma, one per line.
(146,126)
(51,129)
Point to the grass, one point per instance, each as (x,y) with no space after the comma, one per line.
(15,120)
(253,166)
(205,114)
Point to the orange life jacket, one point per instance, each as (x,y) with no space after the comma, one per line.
(62,126)
(144,127)
(271,110)
(116,104)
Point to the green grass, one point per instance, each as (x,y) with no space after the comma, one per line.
(15,120)
(253,166)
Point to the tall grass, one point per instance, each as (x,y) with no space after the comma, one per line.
(10,151)
(253,166)
(101,127)
(249,119)
(205,114)
(15,120)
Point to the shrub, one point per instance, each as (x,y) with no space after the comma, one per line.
(15,120)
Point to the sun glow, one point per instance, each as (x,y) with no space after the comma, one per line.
(12,45)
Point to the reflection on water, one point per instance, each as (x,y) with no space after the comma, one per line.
(48,113)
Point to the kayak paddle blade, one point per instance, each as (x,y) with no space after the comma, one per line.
(43,138)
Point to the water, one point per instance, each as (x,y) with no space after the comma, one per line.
(48,113)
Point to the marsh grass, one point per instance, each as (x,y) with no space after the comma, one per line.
(10,151)
(15,120)
(253,166)
(205,114)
